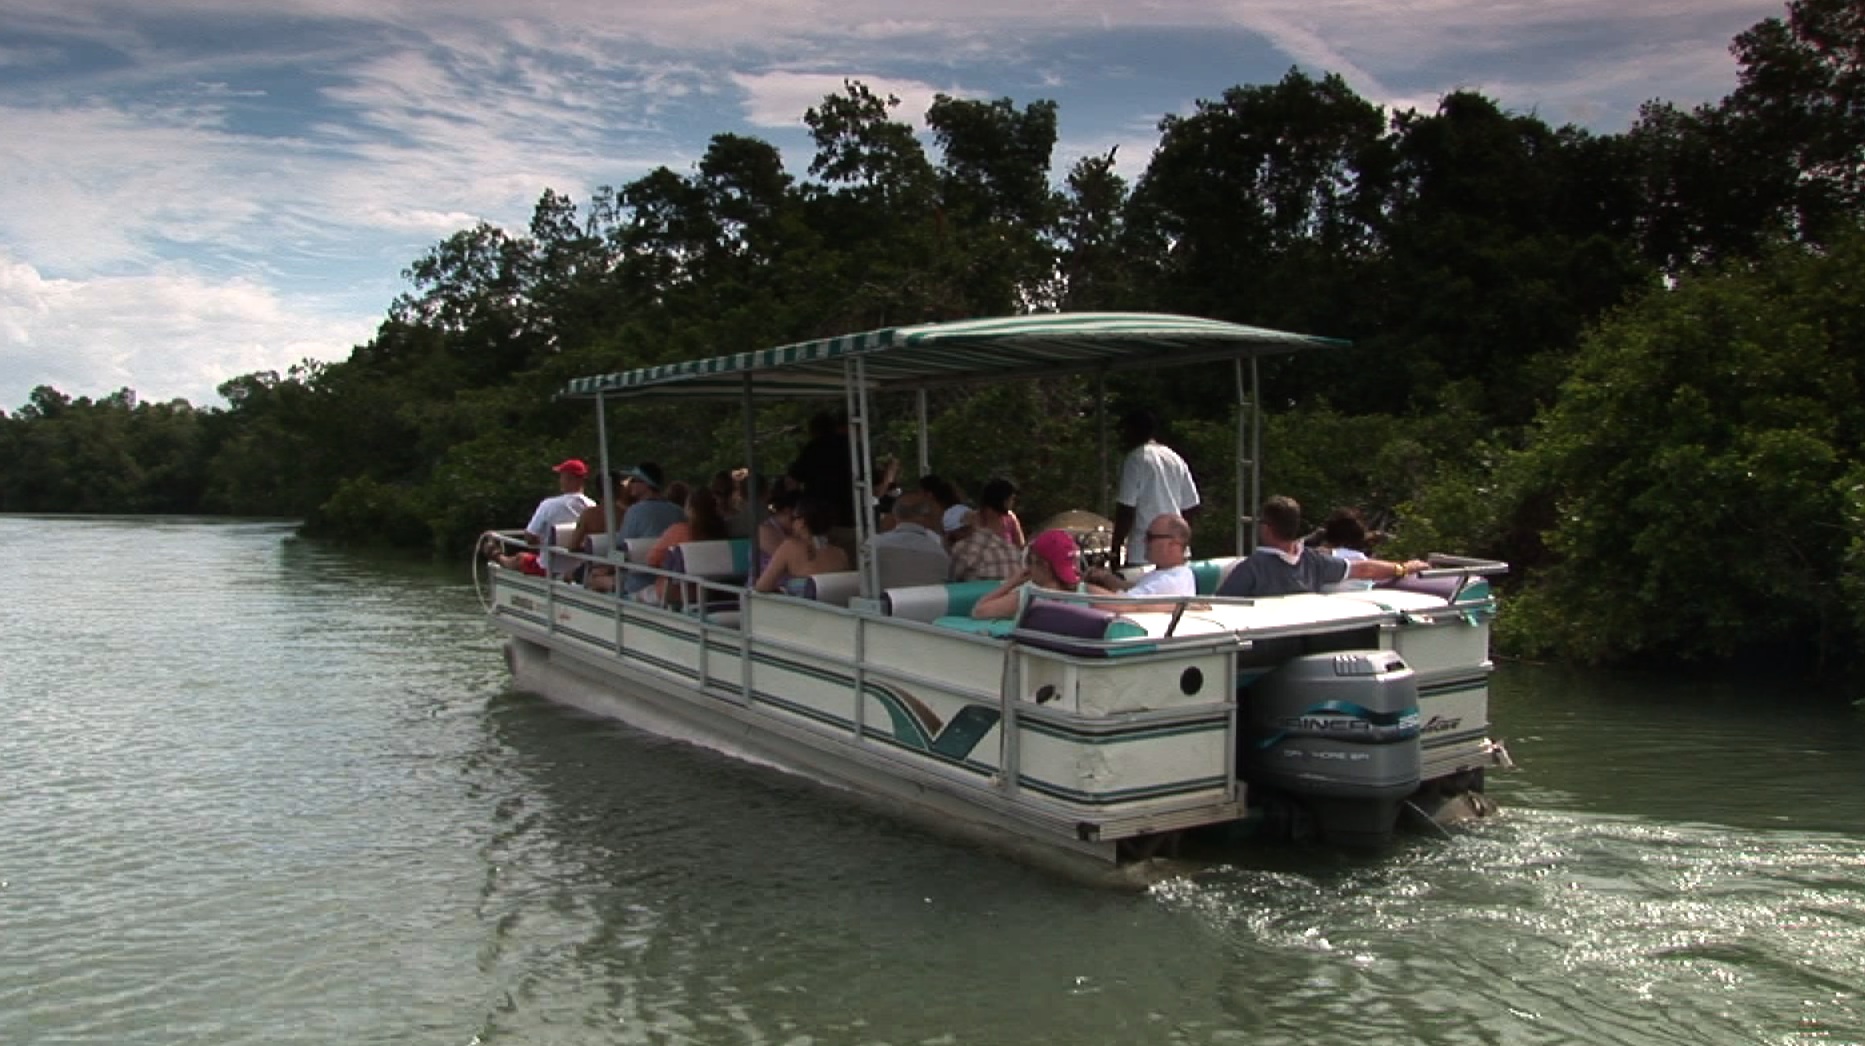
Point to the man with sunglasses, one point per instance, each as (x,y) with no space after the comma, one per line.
(1168,545)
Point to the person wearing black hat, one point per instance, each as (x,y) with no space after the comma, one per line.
(649,516)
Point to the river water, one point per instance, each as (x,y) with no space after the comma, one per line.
(258,790)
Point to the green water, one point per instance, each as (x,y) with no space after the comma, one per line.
(255,790)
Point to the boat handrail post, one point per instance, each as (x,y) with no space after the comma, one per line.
(861,678)
(1011,686)
(745,634)
(702,597)
(1256,446)
(1232,736)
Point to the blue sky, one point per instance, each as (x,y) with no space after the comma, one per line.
(196,189)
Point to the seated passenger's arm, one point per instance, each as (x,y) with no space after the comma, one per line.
(1384,569)
(777,570)
(657,556)
(1002,602)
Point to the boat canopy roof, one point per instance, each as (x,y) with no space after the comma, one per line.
(967,351)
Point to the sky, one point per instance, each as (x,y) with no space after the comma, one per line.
(192,190)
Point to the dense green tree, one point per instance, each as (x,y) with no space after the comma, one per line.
(1801,104)
(1092,267)
(1702,460)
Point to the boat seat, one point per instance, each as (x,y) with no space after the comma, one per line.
(1210,573)
(560,535)
(835,588)
(1078,629)
(724,560)
(932,602)
(1445,588)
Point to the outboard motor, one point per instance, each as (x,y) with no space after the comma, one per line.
(1339,732)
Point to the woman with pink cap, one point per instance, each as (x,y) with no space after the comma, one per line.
(1054,564)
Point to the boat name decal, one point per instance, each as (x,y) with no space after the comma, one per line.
(1438,724)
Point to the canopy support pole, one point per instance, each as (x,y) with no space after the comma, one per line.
(602,461)
(855,374)
(757,489)
(1100,428)
(925,444)
(1249,442)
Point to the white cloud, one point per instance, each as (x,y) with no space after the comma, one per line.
(779,98)
(181,214)
(165,334)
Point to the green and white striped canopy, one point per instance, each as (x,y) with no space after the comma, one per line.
(969,351)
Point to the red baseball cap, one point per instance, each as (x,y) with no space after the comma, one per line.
(574,467)
(1058,550)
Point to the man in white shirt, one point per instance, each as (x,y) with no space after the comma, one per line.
(1168,538)
(564,507)
(1154,482)
(541,533)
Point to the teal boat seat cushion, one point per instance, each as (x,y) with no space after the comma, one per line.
(998,627)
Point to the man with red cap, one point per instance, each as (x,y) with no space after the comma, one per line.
(565,507)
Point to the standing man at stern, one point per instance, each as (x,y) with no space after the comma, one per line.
(1154,482)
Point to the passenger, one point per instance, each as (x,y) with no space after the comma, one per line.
(676,492)
(1344,536)
(911,553)
(825,469)
(980,552)
(944,494)
(807,551)
(1168,542)
(648,517)
(997,504)
(729,491)
(1154,481)
(1054,565)
(566,506)
(1282,565)
(563,508)
(702,523)
(594,521)
(775,529)
(887,492)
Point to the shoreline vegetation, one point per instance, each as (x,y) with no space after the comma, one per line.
(1632,365)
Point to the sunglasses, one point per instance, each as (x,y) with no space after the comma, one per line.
(1150,536)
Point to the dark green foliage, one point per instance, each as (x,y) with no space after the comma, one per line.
(1684,482)
(1702,462)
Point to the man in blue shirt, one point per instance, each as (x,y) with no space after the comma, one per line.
(648,517)
(1282,565)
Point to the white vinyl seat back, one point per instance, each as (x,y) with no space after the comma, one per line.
(835,589)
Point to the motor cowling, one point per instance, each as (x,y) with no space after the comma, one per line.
(1338,731)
